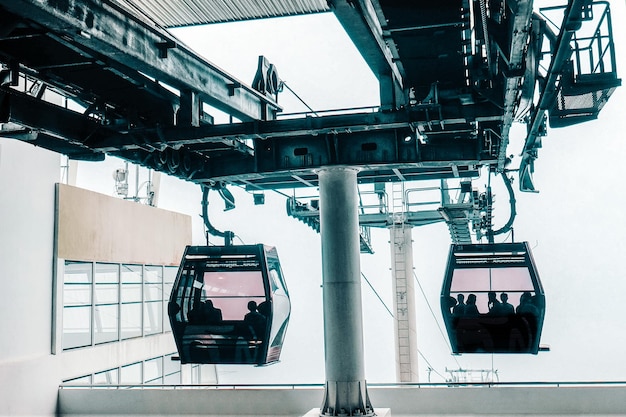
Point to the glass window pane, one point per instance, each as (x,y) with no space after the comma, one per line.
(131,274)
(195,374)
(81,380)
(208,374)
(131,320)
(172,379)
(131,293)
(169,274)
(233,284)
(491,279)
(153,274)
(235,308)
(153,317)
(76,294)
(106,293)
(77,272)
(153,371)
(106,323)
(76,327)
(153,292)
(106,378)
(170,366)
(131,374)
(470,279)
(107,273)
(511,279)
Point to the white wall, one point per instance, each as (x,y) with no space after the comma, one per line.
(29,373)
(27,178)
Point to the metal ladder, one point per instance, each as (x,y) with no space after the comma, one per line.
(403,284)
(397,202)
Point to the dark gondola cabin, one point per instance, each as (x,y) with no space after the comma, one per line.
(492,299)
(229,305)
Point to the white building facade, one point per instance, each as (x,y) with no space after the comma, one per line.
(85,281)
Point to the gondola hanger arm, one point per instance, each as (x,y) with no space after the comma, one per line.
(229,199)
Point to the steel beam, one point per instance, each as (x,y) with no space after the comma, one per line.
(110,31)
(410,121)
(360,21)
(561,53)
(47,125)
(514,73)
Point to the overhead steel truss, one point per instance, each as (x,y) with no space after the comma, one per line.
(453,78)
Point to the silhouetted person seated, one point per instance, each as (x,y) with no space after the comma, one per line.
(195,314)
(470,307)
(211,314)
(494,306)
(255,320)
(526,305)
(265,308)
(450,304)
(205,313)
(459,308)
(505,307)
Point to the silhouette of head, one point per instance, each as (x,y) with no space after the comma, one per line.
(504,297)
(252,305)
(460,297)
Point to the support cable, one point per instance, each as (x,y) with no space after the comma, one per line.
(391,314)
(298,97)
(430,366)
(375,292)
(434,317)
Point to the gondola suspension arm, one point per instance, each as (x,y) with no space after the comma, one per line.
(230,204)
(513,212)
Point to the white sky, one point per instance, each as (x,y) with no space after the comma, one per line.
(575,224)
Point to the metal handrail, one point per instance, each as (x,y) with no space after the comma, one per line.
(556,384)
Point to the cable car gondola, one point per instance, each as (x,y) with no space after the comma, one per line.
(229,305)
(492,299)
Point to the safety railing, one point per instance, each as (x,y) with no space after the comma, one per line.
(390,385)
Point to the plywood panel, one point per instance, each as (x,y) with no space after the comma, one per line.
(96,227)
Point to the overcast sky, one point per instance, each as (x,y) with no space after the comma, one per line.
(575,225)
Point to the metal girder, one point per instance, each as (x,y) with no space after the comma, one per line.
(47,125)
(286,153)
(290,128)
(121,37)
(575,14)
(515,71)
(443,136)
(360,20)
(424,119)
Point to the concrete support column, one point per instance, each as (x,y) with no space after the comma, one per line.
(404,302)
(346,390)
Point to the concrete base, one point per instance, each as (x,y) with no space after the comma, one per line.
(379,412)
(596,401)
